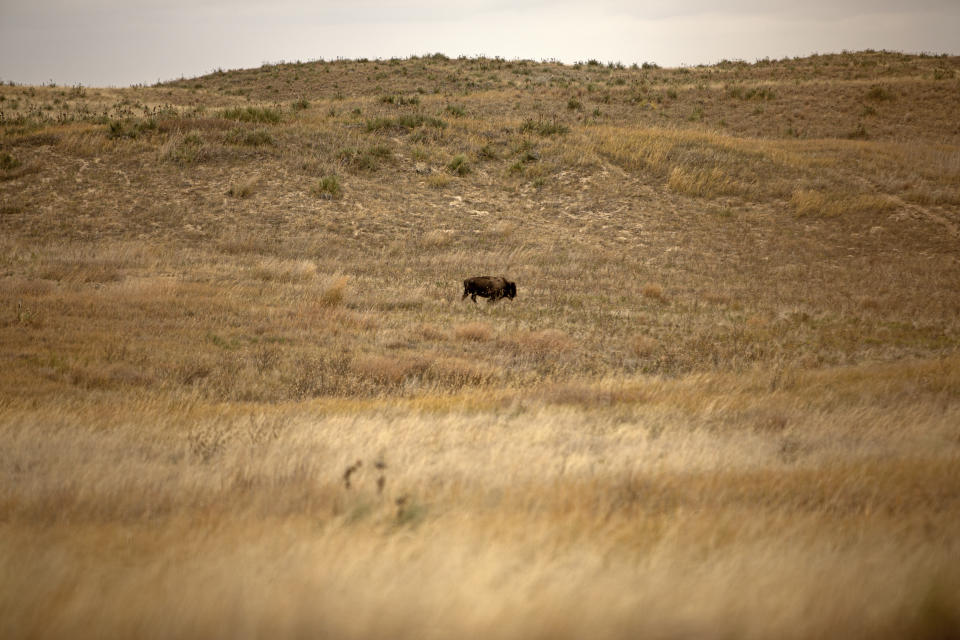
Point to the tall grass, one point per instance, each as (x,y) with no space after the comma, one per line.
(582,504)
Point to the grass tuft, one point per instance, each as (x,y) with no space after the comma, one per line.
(185,149)
(328,187)
(333,293)
(243,188)
(544,127)
(8,162)
(439,180)
(254,138)
(653,291)
(459,165)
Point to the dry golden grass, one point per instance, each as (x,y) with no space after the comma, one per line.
(439,180)
(653,290)
(243,188)
(807,202)
(474,331)
(725,401)
(703,503)
(644,346)
(334,292)
(438,238)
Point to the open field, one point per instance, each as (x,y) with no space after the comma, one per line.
(726,401)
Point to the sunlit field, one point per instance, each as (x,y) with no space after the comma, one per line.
(241,395)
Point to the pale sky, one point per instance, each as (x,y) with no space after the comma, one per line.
(123,42)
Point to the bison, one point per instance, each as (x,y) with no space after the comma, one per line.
(489,287)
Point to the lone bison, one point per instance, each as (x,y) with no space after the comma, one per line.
(489,287)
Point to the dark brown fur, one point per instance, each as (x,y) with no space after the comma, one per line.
(489,287)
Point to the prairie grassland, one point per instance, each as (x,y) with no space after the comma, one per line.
(240,393)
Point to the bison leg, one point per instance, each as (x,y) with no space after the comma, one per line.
(473,297)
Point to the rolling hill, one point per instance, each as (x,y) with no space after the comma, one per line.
(240,392)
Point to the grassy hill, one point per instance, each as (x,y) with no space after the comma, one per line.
(725,400)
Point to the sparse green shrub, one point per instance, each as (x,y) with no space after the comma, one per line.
(300,105)
(328,187)
(364,162)
(129,128)
(544,128)
(456,110)
(366,159)
(529,155)
(412,121)
(860,133)
(242,188)
(380,151)
(380,124)
(574,105)
(8,162)
(255,138)
(424,135)
(410,513)
(878,92)
(459,165)
(757,93)
(252,114)
(184,149)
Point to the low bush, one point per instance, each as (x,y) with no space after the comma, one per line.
(252,114)
(328,186)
